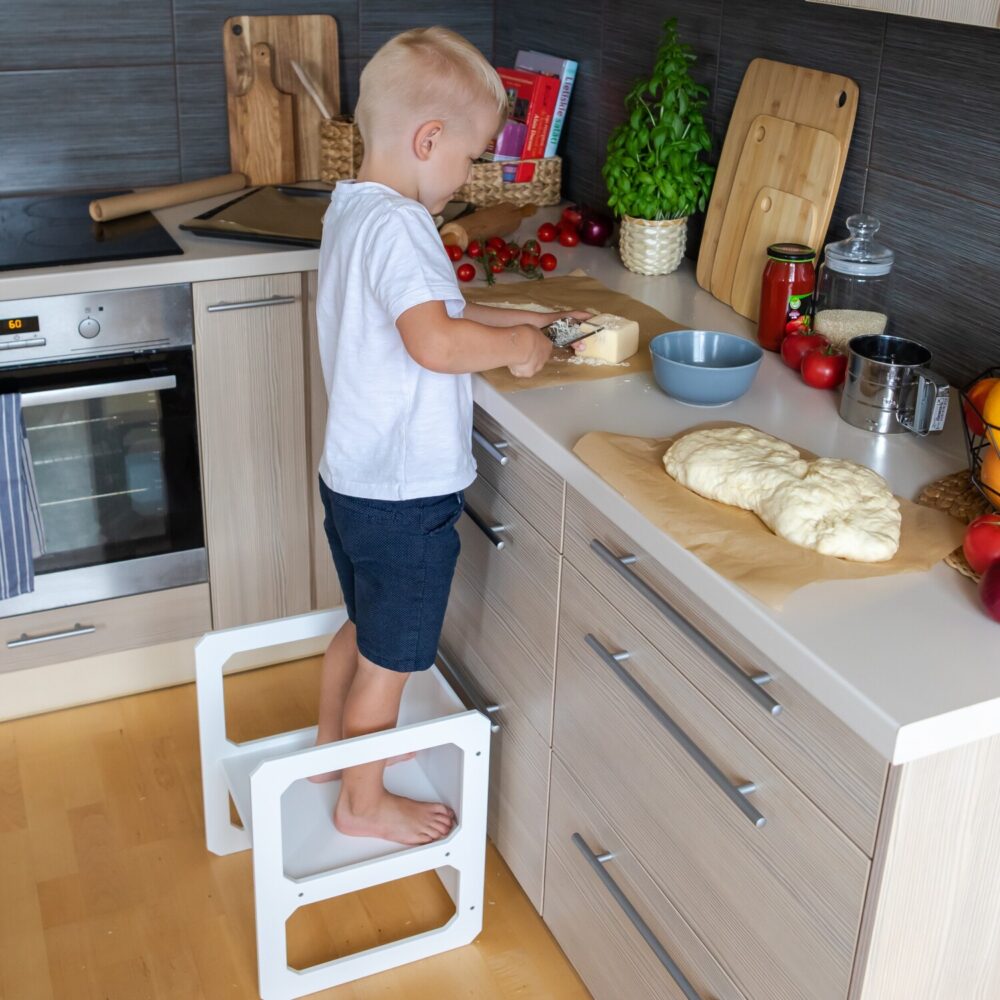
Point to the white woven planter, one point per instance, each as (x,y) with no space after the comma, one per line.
(652,246)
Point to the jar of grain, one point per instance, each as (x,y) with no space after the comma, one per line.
(852,291)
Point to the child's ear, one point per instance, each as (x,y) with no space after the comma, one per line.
(426,138)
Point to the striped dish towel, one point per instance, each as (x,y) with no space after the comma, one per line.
(22,536)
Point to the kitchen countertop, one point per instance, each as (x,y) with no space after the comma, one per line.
(903,660)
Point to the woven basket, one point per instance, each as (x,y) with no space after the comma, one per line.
(652,246)
(956,495)
(340,149)
(486,185)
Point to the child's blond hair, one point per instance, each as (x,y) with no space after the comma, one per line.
(429,73)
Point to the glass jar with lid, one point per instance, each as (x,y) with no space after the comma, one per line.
(852,291)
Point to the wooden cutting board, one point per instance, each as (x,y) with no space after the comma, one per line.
(772,214)
(261,126)
(824,101)
(787,157)
(311,41)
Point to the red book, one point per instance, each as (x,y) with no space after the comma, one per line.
(533,99)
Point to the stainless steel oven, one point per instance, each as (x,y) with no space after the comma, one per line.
(107,390)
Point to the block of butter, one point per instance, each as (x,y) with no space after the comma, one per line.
(617,341)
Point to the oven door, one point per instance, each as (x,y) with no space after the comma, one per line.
(115,455)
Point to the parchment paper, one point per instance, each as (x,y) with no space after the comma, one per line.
(570,292)
(736,543)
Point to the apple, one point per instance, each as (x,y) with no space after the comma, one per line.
(989,591)
(981,544)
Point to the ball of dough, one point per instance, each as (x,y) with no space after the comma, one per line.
(734,465)
(838,508)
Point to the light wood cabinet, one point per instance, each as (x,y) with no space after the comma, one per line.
(985,13)
(250,371)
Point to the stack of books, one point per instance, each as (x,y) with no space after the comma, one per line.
(538,90)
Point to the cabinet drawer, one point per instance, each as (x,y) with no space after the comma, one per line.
(519,769)
(841,773)
(599,922)
(522,480)
(105,626)
(764,878)
(475,633)
(521,578)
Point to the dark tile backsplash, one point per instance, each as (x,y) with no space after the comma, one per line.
(134,95)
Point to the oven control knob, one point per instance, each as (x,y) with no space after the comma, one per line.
(89,328)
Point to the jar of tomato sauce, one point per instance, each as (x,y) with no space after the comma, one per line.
(786,293)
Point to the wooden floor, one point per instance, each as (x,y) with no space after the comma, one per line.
(108,893)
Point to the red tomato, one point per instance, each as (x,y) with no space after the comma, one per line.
(795,346)
(824,368)
(496,266)
(531,246)
(572,216)
(474,249)
(547,262)
(547,232)
(506,255)
(981,544)
(466,272)
(569,237)
(496,243)
(454,252)
(528,260)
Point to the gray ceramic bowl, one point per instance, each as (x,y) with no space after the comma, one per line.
(704,367)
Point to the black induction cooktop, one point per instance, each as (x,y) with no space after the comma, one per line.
(44,230)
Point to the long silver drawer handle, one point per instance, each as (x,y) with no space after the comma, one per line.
(30,640)
(737,793)
(469,694)
(492,448)
(751,685)
(79,393)
(597,861)
(490,531)
(274,300)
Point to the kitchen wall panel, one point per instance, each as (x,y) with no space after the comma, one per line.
(924,155)
(381,19)
(109,127)
(51,34)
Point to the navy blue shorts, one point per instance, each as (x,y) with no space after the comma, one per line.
(395,560)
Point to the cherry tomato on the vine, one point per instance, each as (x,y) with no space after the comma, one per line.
(528,260)
(454,252)
(466,272)
(474,249)
(506,255)
(547,262)
(496,266)
(496,242)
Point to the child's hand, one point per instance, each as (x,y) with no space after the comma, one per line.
(540,350)
(543,319)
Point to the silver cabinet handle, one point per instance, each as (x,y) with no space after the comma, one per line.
(274,300)
(737,793)
(492,448)
(76,393)
(489,531)
(467,692)
(751,685)
(597,862)
(30,640)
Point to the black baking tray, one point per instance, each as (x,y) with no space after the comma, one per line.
(213,222)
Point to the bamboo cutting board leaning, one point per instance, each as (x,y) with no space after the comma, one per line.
(788,159)
(311,41)
(827,102)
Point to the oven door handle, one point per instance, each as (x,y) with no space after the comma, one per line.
(75,393)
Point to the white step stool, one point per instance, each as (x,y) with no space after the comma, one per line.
(299,857)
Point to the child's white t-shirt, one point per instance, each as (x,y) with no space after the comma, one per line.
(394,430)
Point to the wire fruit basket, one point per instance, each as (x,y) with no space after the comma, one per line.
(982,439)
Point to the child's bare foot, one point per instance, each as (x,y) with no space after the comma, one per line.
(405,821)
(336,775)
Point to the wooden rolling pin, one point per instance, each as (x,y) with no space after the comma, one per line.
(118,206)
(497,220)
